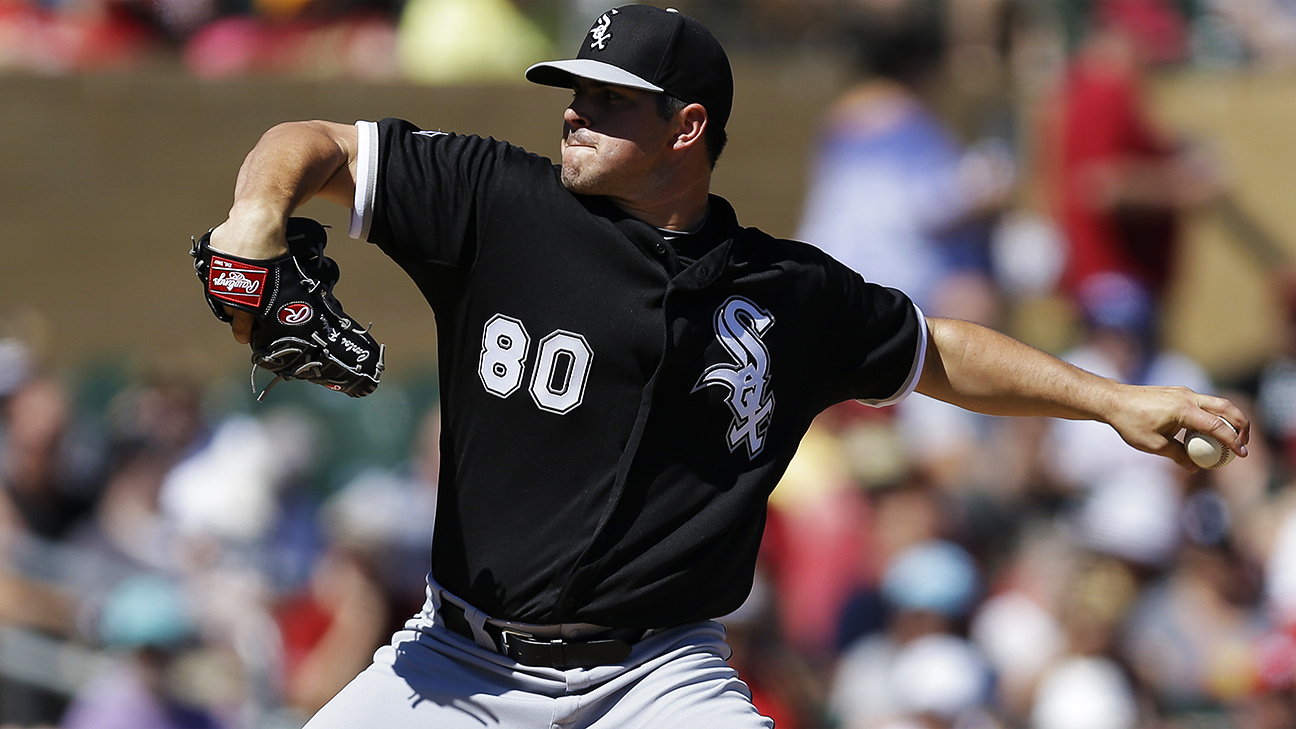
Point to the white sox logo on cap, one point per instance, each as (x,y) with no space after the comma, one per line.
(599,33)
(656,50)
(739,326)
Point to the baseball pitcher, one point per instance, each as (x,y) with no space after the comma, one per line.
(626,372)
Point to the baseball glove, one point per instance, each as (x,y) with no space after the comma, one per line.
(300,331)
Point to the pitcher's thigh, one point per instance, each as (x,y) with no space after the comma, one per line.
(411,686)
(698,690)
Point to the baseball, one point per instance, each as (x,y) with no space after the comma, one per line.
(1206,450)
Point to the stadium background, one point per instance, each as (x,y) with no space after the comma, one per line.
(107,175)
(107,170)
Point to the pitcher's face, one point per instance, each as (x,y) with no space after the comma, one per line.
(613,139)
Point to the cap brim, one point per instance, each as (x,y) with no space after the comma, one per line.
(560,73)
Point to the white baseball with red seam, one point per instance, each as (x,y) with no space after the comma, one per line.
(1206,450)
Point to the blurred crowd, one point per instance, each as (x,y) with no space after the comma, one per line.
(173,555)
(169,562)
(447,41)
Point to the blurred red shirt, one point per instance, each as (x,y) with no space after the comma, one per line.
(1102,124)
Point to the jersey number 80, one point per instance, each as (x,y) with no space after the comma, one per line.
(562,364)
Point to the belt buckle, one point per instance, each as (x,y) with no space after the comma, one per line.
(506,632)
(532,650)
(527,640)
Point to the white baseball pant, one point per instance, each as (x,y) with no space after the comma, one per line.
(432,678)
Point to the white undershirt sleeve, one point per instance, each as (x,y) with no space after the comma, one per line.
(915,373)
(366,180)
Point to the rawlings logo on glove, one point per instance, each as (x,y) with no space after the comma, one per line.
(296,313)
(300,331)
(236,283)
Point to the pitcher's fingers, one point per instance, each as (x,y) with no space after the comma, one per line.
(1231,426)
(241,326)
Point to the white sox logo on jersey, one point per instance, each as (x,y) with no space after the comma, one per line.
(599,33)
(739,326)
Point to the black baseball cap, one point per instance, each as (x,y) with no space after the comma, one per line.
(656,50)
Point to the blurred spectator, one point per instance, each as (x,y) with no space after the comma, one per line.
(1017,626)
(1131,514)
(943,682)
(203,500)
(126,526)
(1118,179)
(15,364)
(152,426)
(159,415)
(1265,30)
(891,193)
(330,632)
(1086,688)
(385,519)
(28,604)
(49,479)
(1276,391)
(928,591)
(1086,692)
(450,41)
(213,525)
(229,537)
(1027,254)
(783,687)
(1272,702)
(903,512)
(1190,637)
(147,624)
(369,580)
(1280,561)
(359,44)
(815,542)
(92,35)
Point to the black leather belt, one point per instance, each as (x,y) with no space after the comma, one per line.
(604,648)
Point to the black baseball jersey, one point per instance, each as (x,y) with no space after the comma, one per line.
(614,416)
